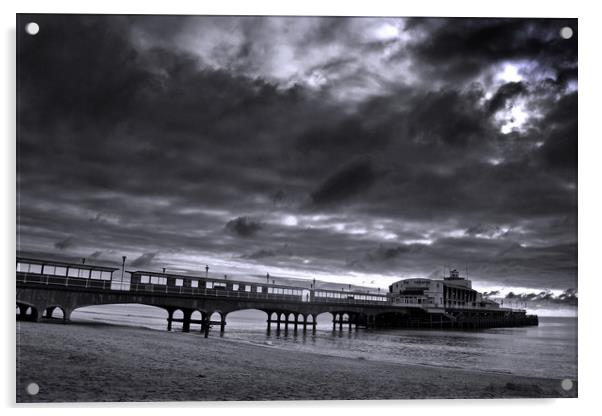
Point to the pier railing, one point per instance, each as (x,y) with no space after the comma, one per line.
(153,289)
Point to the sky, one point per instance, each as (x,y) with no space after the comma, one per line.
(352,150)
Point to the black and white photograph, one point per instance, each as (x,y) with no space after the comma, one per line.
(276,208)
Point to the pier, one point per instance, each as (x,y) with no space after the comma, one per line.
(44,286)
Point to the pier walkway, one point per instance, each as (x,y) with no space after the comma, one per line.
(43,286)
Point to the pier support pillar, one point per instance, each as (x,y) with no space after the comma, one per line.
(186,321)
(67,315)
(49,311)
(269,321)
(206,325)
(222,326)
(169,319)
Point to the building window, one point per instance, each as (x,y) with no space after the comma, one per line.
(247,288)
(259,289)
(60,271)
(194,283)
(144,279)
(35,268)
(179,282)
(103,275)
(95,274)
(234,286)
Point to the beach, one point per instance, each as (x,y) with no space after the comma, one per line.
(88,362)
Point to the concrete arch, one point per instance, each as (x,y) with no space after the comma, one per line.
(77,306)
(29,311)
(216,316)
(149,315)
(254,312)
(329,315)
(56,312)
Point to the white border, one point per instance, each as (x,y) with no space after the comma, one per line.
(589,184)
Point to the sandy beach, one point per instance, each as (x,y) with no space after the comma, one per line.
(98,362)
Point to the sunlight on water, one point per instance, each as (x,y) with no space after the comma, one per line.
(549,350)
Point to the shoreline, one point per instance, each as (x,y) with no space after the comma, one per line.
(81,362)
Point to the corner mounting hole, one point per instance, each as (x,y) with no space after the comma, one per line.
(566,32)
(32,28)
(32,389)
(566,384)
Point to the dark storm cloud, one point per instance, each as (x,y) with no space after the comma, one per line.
(560,128)
(387,253)
(65,244)
(144,260)
(542,299)
(244,226)
(491,294)
(259,254)
(346,182)
(461,48)
(131,143)
(505,93)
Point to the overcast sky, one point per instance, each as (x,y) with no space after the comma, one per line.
(357,150)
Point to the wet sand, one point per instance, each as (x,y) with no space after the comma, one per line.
(96,362)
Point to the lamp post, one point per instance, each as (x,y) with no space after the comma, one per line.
(206,271)
(122,267)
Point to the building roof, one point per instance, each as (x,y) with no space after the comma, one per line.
(66,264)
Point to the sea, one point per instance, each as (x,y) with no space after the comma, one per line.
(548,350)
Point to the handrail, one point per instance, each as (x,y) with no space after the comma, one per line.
(149,288)
(117,286)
